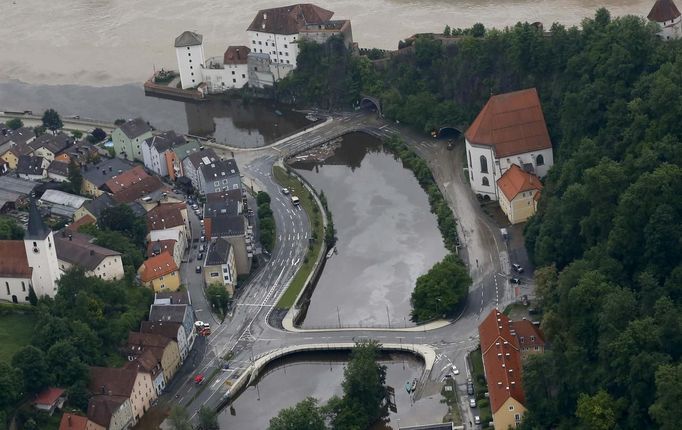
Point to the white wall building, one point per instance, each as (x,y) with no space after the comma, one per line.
(227,72)
(189,51)
(510,129)
(75,249)
(666,14)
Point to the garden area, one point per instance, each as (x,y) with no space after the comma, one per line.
(16,331)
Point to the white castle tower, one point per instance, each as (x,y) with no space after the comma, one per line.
(41,254)
(189,50)
(668,17)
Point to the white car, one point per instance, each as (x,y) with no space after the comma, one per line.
(285,191)
(477,420)
(472,402)
(200,324)
(455,370)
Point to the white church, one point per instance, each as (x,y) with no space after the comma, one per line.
(31,262)
(668,17)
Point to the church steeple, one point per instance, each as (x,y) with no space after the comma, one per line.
(37,230)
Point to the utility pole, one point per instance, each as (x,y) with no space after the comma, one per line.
(338,315)
(388,317)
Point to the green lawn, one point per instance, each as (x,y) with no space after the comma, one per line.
(315,217)
(16,331)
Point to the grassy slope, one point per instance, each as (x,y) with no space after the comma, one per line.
(16,331)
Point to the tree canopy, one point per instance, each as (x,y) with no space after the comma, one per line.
(441,290)
(52,121)
(10,230)
(14,123)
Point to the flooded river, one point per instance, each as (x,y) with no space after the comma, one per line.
(293,379)
(110,42)
(387,237)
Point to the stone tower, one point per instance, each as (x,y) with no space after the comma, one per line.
(41,254)
(189,51)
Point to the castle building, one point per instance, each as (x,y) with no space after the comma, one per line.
(668,17)
(189,51)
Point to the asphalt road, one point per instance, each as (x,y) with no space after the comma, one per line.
(246,332)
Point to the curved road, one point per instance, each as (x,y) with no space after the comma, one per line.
(246,332)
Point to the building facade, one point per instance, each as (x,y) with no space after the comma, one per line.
(519,192)
(189,52)
(160,273)
(128,139)
(220,266)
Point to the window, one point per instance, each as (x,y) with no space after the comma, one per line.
(484,164)
(23,286)
(191,67)
(162,286)
(243,76)
(161,278)
(287,61)
(7,286)
(234,81)
(485,181)
(517,418)
(540,160)
(511,407)
(537,348)
(189,54)
(470,159)
(280,52)
(253,42)
(233,72)
(224,270)
(188,48)
(532,338)
(286,53)
(266,43)
(521,338)
(216,183)
(259,42)
(190,62)
(215,274)
(192,75)
(285,46)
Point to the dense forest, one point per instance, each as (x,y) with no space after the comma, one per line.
(607,238)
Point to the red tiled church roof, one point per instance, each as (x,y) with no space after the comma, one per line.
(515,180)
(663,10)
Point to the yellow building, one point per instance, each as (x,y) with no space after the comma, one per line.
(11,156)
(517,191)
(164,349)
(160,273)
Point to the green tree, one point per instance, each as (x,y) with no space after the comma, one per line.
(75,178)
(52,121)
(179,419)
(10,386)
(77,134)
(14,123)
(121,218)
(441,290)
(447,31)
(596,412)
(67,368)
(98,135)
(668,395)
(34,370)
(219,298)
(10,230)
(262,197)
(78,396)
(305,415)
(32,298)
(478,30)
(39,130)
(208,419)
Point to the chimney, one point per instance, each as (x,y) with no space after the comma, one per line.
(92,252)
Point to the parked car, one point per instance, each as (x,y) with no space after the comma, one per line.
(470,387)
(285,191)
(200,257)
(203,238)
(199,378)
(198,269)
(195,206)
(202,248)
(515,281)
(455,370)
(517,268)
(477,419)
(472,402)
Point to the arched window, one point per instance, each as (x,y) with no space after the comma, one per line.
(486,183)
(470,159)
(484,164)
(540,160)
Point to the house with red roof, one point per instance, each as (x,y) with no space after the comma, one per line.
(504,344)
(73,422)
(509,130)
(50,399)
(668,17)
(160,273)
(518,190)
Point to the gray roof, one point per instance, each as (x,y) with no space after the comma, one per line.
(101,172)
(58,168)
(172,313)
(97,206)
(37,230)
(198,158)
(164,141)
(188,38)
(137,208)
(187,148)
(55,143)
(17,185)
(30,165)
(220,169)
(224,206)
(135,128)
(76,249)
(21,135)
(227,225)
(218,252)
(62,198)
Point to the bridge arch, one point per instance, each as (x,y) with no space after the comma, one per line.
(369,102)
(448,132)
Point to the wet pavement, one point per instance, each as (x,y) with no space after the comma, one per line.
(387,236)
(288,381)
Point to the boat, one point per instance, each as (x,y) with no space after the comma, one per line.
(408,386)
(311,117)
(278,112)
(331,252)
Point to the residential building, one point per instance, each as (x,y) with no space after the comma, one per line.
(189,52)
(76,249)
(164,349)
(158,152)
(72,421)
(180,152)
(220,266)
(29,263)
(220,175)
(160,273)
(122,181)
(14,192)
(233,229)
(259,71)
(20,136)
(174,307)
(168,216)
(172,246)
(123,384)
(139,190)
(62,204)
(128,138)
(519,193)
(12,154)
(81,152)
(228,71)
(50,399)
(510,129)
(277,31)
(191,165)
(668,17)
(109,413)
(229,202)
(501,350)
(58,171)
(84,220)
(95,207)
(32,168)
(148,363)
(49,145)
(97,174)
(172,330)
(530,337)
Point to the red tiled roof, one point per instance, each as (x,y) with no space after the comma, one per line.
(146,362)
(138,190)
(48,396)
(126,179)
(165,216)
(158,265)
(528,331)
(513,123)
(161,245)
(236,55)
(663,10)
(515,180)
(101,408)
(14,263)
(501,360)
(111,381)
(73,422)
(289,19)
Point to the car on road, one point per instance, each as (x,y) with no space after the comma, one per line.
(516,281)
(295,200)
(451,145)
(477,419)
(285,191)
(202,248)
(472,402)
(195,206)
(200,257)
(470,387)
(455,370)
(198,269)
(517,268)
(199,378)
(203,238)
(201,324)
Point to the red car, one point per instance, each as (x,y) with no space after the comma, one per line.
(199,378)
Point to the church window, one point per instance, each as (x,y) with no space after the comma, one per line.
(7,286)
(23,286)
(540,160)
(484,164)
(485,181)
(470,159)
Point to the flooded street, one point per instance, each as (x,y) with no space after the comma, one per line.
(111,42)
(387,237)
(293,379)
